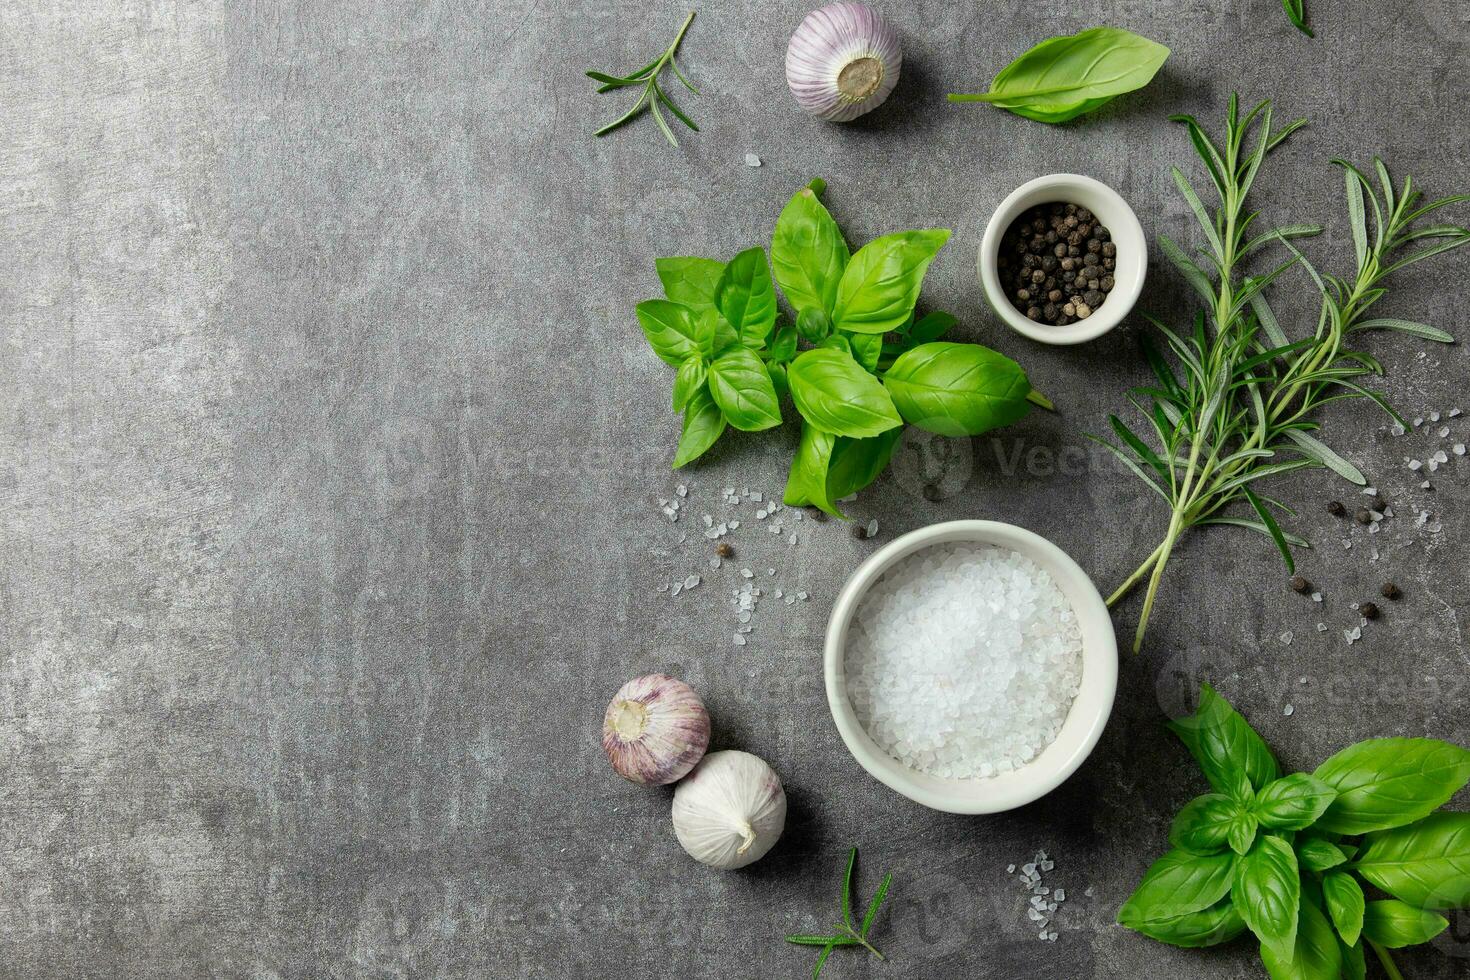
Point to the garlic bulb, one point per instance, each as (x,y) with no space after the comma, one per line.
(843,61)
(730,810)
(655,730)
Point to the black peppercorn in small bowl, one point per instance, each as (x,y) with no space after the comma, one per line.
(1058,309)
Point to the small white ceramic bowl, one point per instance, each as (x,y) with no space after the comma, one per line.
(1084,724)
(1115,215)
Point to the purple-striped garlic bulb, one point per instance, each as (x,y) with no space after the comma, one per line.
(655,730)
(843,61)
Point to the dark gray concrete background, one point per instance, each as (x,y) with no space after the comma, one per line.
(330,456)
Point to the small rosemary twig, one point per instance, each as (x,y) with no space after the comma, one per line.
(847,933)
(651,96)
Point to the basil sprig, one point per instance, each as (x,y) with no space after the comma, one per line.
(1269,853)
(854,360)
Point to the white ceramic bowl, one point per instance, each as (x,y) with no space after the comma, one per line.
(1084,724)
(1115,215)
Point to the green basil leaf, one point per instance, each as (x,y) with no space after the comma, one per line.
(808,253)
(1389,782)
(713,333)
(1314,954)
(857,462)
(930,328)
(1203,826)
(691,378)
(806,484)
(1344,904)
(813,324)
(838,341)
(1242,835)
(1397,924)
(703,424)
(742,387)
(1223,742)
(1267,892)
(690,281)
(1176,884)
(1354,962)
(958,389)
(866,349)
(835,394)
(746,297)
(1217,924)
(783,344)
(1293,802)
(881,284)
(1316,854)
(1426,864)
(1063,77)
(670,329)
(778,379)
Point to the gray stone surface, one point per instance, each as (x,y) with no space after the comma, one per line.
(330,451)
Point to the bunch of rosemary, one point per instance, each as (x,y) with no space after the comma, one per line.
(1245,406)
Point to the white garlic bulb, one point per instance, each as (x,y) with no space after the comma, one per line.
(730,810)
(843,61)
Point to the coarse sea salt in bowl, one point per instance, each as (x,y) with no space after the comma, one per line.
(971,666)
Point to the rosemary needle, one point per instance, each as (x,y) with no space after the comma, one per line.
(651,97)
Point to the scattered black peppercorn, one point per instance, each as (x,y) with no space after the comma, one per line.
(816,514)
(932,493)
(1052,252)
(1390,591)
(1363,515)
(1299,584)
(1336,509)
(860,532)
(724,550)
(1369,610)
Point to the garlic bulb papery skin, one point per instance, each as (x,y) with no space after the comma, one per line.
(730,810)
(655,730)
(843,61)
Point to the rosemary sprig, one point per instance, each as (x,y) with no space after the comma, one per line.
(847,933)
(651,96)
(1296,13)
(1244,408)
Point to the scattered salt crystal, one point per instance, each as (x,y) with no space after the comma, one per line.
(1434,416)
(1459,449)
(1369,491)
(1455,413)
(760,515)
(746,573)
(1286,639)
(1418,421)
(1091,891)
(1010,869)
(873,528)
(1321,627)
(739,640)
(1396,429)
(691,582)
(714,562)
(682,490)
(1415,464)
(1061,895)
(770,571)
(1288,710)
(802,596)
(751,160)
(1440,456)
(1444,432)
(1425,486)
(677,588)
(1316,597)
